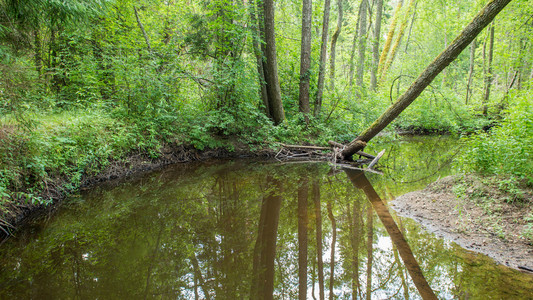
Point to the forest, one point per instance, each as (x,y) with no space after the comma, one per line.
(85,84)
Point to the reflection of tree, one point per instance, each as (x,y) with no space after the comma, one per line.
(359,180)
(369,249)
(319,250)
(332,249)
(262,286)
(303,222)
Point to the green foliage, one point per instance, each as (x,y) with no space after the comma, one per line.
(506,149)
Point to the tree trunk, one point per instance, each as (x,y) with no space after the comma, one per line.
(488,75)
(256,10)
(470,70)
(354,44)
(388,40)
(305,59)
(468,34)
(397,42)
(38,53)
(319,251)
(303,191)
(272,80)
(334,46)
(362,48)
(140,24)
(375,45)
(323,54)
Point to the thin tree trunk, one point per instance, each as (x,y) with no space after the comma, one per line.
(38,53)
(375,45)
(332,256)
(319,250)
(140,24)
(323,55)
(334,46)
(397,42)
(272,80)
(303,221)
(354,45)
(388,40)
(362,48)
(449,54)
(255,10)
(305,59)
(488,76)
(470,70)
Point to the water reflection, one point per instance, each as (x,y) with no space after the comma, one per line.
(245,230)
(360,181)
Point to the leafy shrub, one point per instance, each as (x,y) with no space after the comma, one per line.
(507,148)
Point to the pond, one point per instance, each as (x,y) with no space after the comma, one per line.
(244,229)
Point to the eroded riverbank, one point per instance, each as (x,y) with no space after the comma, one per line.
(482,218)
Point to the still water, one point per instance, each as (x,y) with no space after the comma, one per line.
(246,229)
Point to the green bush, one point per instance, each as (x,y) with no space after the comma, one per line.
(508,148)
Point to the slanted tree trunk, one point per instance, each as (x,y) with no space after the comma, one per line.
(397,42)
(375,45)
(334,46)
(323,54)
(305,59)
(469,33)
(388,40)
(470,70)
(362,48)
(488,75)
(141,27)
(272,80)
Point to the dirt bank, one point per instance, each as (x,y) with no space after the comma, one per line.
(477,215)
(134,164)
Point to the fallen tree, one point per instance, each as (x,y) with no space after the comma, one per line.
(469,33)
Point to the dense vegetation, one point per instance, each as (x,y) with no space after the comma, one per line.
(85,83)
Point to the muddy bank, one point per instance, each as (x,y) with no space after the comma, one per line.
(133,165)
(477,216)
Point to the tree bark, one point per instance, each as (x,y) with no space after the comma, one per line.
(488,75)
(305,59)
(375,45)
(323,54)
(272,80)
(255,11)
(470,70)
(334,46)
(469,33)
(140,24)
(38,59)
(362,48)
(388,40)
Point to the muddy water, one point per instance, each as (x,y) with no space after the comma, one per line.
(249,230)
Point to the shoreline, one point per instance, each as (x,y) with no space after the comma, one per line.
(463,221)
(134,164)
